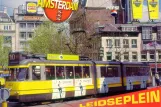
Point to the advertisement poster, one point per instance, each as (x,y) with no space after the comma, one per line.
(137,9)
(153,6)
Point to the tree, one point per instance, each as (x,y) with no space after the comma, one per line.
(49,38)
(4,51)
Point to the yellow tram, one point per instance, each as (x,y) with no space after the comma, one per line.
(36,79)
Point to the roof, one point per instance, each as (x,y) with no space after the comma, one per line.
(116,27)
(4,17)
(26,61)
(110,28)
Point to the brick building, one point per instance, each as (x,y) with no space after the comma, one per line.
(84,23)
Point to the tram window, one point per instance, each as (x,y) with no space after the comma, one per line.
(12,75)
(137,71)
(22,74)
(86,72)
(36,72)
(115,72)
(103,72)
(112,72)
(78,72)
(60,72)
(128,73)
(141,70)
(50,72)
(147,71)
(133,71)
(69,72)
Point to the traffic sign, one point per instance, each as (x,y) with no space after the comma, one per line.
(4,94)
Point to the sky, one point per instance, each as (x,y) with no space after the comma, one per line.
(10,4)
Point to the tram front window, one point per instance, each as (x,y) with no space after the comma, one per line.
(18,74)
(22,74)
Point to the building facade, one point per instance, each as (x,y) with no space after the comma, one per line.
(83,24)
(131,42)
(7,30)
(26,21)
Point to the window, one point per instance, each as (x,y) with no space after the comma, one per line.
(86,72)
(134,43)
(30,25)
(6,27)
(69,72)
(126,43)
(144,71)
(22,25)
(132,71)
(109,72)
(152,56)
(159,55)
(9,27)
(126,56)
(117,55)
(143,56)
(13,74)
(60,72)
(109,42)
(22,74)
(78,72)
(50,72)
(159,32)
(112,72)
(146,32)
(22,35)
(30,34)
(117,42)
(109,56)
(134,56)
(36,72)
(103,72)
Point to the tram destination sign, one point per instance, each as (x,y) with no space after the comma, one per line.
(15,58)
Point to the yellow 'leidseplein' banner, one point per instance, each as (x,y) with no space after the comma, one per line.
(137,9)
(153,9)
(62,57)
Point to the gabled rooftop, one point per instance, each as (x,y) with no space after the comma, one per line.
(4,17)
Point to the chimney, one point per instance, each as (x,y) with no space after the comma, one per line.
(5,9)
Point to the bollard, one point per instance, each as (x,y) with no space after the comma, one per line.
(4,104)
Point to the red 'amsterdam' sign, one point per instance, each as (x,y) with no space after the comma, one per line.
(58,10)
